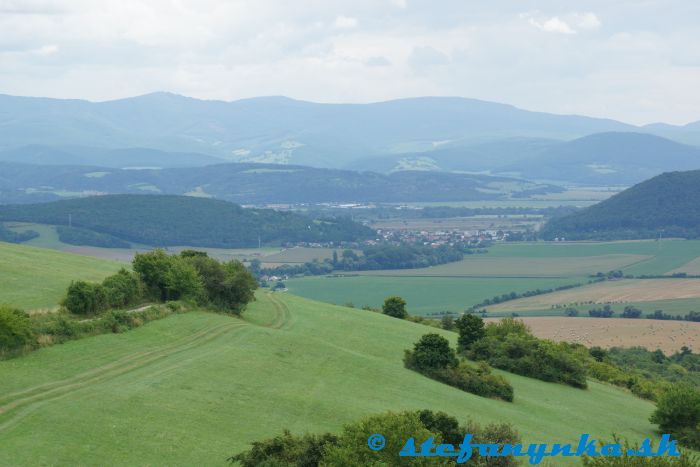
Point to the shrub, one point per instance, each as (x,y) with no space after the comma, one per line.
(678,412)
(395,307)
(431,352)
(83,298)
(286,449)
(685,459)
(123,288)
(471,329)
(15,329)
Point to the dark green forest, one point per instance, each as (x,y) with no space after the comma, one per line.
(664,206)
(161,220)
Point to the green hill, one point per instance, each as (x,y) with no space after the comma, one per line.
(195,388)
(182,220)
(37,278)
(667,205)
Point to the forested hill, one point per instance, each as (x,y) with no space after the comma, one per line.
(667,205)
(162,220)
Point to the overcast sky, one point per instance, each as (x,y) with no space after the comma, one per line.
(632,60)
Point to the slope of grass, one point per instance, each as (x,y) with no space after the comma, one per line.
(36,278)
(193,389)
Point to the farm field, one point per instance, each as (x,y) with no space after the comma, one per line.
(668,336)
(34,278)
(423,294)
(484,265)
(195,388)
(516,223)
(609,292)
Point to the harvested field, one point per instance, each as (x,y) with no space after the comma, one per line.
(692,267)
(668,336)
(610,292)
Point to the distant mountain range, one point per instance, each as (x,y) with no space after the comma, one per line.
(257,184)
(428,133)
(667,205)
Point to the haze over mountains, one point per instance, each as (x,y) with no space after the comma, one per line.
(427,134)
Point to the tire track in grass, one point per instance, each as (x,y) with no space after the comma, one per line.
(282,315)
(20,407)
(4,399)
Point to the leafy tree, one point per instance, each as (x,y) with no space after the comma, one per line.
(598,353)
(471,329)
(571,312)
(631,312)
(15,329)
(84,298)
(447,322)
(123,288)
(431,352)
(286,449)
(395,307)
(678,412)
(153,268)
(351,448)
(182,280)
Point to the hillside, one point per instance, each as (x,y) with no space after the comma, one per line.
(37,278)
(297,132)
(667,205)
(606,159)
(290,363)
(119,158)
(255,184)
(160,220)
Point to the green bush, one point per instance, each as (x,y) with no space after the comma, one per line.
(685,459)
(84,298)
(471,329)
(286,449)
(15,329)
(395,307)
(123,288)
(510,346)
(678,413)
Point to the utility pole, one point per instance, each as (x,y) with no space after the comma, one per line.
(70,221)
(259,244)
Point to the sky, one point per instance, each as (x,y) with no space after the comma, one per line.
(633,60)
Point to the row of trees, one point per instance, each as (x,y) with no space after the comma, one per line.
(191,275)
(632,312)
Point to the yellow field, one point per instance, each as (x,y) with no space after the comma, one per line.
(609,292)
(668,336)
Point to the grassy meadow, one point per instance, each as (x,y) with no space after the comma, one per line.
(192,389)
(34,278)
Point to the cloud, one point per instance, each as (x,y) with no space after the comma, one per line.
(553,24)
(345,22)
(587,21)
(426,56)
(377,61)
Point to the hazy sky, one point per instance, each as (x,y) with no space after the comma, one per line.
(633,60)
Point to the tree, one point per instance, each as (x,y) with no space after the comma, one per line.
(431,352)
(395,307)
(286,449)
(182,280)
(471,329)
(153,268)
(84,298)
(678,412)
(351,448)
(123,288)
(631,312)
(15,329)
(597,353)
(571,312)
(447,322)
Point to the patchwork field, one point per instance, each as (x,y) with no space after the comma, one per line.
(37,278)
(487,265)
(668,336)
(423,294)
(193,389)
(609,292)
(517,223)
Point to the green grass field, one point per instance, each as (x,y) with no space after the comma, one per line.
(37,278)
(193,389)
(423,294)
